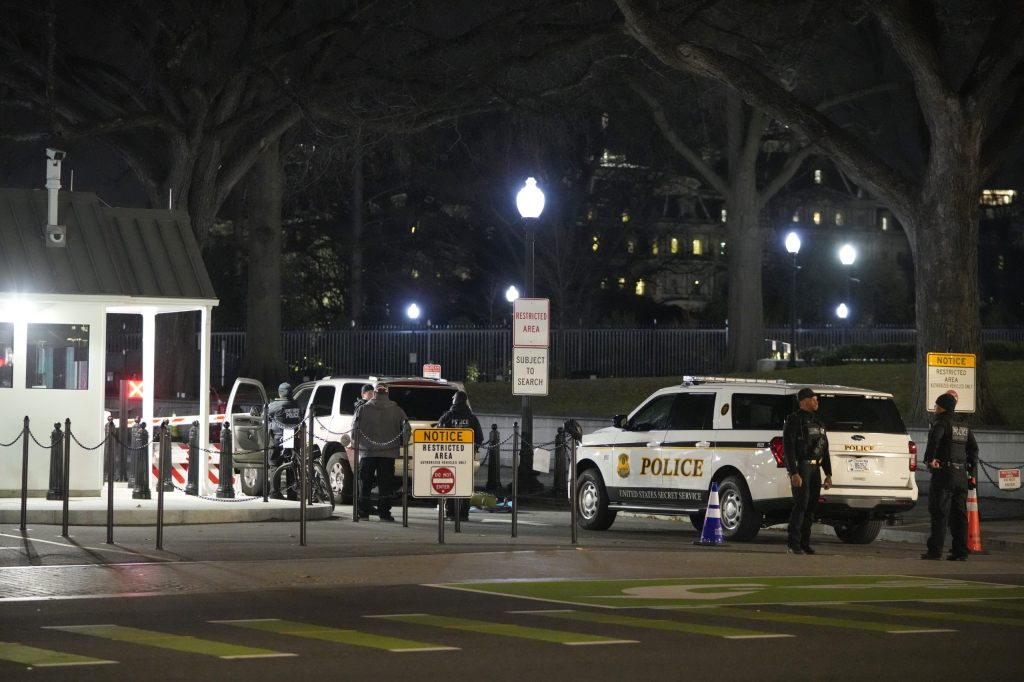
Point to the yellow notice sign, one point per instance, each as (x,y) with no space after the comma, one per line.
(955,373)
(443,462)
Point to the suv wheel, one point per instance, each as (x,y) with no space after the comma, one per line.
(252,481)
(592,499)
(859,531)
(339,473)
(740,521)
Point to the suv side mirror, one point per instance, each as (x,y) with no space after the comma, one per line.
(619,421)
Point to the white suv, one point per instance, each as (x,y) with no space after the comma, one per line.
(663,457)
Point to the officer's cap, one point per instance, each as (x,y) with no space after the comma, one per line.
(366,387)
(460,398)
(805,393)
(946,402)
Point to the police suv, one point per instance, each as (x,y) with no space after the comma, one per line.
(663,457)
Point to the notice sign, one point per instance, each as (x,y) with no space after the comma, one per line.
(443,462)
(952,371)
(431,371)
(531,323)
(529,371)
(1009,479)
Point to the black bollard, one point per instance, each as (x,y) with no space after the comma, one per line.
(140,444)
(66,512)
(109,448)
(56,491)
(224,488)
(163,459)
(558,488)
(192,488)
(165,481)
(493,461)
(24,473)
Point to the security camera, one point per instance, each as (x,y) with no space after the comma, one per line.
(55,154)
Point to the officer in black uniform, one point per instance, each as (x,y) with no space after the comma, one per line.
(952,457)
(282,413)
(805,448)
(460,416)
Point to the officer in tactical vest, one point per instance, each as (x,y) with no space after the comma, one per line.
(805,448)
(282,413)
(952,458)
(460,416)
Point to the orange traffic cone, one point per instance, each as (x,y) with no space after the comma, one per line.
(973,523)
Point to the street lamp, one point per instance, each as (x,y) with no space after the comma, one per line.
(793,247)
(412,312)
(530,202)
(512,293)
(847,256)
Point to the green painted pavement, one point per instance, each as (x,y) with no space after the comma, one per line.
(44,658)
(656,624)
(681,592)
(163,640)
(338,635)
(504,629)
(902,612)
(817,621)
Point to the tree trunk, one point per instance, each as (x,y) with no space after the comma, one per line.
(744,246)
(264,358)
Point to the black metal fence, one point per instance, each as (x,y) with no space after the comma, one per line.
(486,354)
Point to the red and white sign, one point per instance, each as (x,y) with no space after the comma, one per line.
(531,323)
(1009,479)
(431,371)
(442,480)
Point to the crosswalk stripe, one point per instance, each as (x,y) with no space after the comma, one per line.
(933,615)
(338,635)
(506,629)
(44,658)
(656,624)
(164,640)
(803,619)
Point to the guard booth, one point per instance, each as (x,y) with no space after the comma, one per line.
(67,261)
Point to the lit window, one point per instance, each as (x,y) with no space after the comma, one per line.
(58,356)
(839,218)
(724,215)
(796,216)
(817,218)
(817,177)
(885,223)
(622,282)
(630,246)
(674,246)
(654,248)
(698,248)
(639,287)
(590,214)
(412,230)
(625,216)
(6,354)
(415,273)
(604,283)
(595,245)
(1000,265)
(721,248)
(996,197)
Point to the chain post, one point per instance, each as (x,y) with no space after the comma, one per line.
(493,460)
(55,491)
(558,487)
(24,474)
(162,461)
(192,487)
(224,488)
(110,450)
(515,479)
(140,442)
(66,513)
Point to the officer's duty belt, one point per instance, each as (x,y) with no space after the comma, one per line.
(811,461)
(953,465)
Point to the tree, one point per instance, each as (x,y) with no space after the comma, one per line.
(963,60)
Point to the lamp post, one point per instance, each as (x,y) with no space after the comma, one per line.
(412,313)
(793,247)
(847,256)
(530,202)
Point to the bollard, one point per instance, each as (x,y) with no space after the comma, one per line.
(140,443)
(515,479)
(558,486)
(574,515)
(406,478)
(267,440)
(24,473)
(163,464)
(224,488)
(302,455)
(192,487)
(109,449)
(163,457)
(355,475)
(66,513)
(56,464)
(493,461)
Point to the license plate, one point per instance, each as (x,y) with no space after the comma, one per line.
(858,464)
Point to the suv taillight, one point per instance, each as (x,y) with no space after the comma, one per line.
(912,446)
(777,451)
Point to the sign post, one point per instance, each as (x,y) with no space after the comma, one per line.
(956,372)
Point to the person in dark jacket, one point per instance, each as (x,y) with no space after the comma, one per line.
(952,458)
(379,428)
(460,416)
(805,448)
(282,413)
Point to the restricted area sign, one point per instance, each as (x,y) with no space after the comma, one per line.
(431,371)
(1009,479)
(531,323)
(954,371)
(443,462)
(529,371)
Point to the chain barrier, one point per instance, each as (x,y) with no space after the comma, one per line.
(7,445)
(85,447)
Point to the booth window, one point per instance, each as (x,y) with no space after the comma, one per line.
(6,354)
(58,356)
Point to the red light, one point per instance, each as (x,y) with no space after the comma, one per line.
(912,448)
(134,388)
(776,447)
(3,362)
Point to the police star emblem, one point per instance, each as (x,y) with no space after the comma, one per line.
(622,469)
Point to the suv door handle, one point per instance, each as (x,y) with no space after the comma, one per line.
(703,443)
(654,444)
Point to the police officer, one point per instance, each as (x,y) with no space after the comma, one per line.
(460,416)
(282,413)
(365,394)
(805,448)
(952,458)
(379,423)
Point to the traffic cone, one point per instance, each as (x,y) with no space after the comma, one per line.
(973,523)
(711,534)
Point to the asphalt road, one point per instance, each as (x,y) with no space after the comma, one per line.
(380,601)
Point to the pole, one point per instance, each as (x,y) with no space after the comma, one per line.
(24,474)
(406,478)
(266,453)
(162,457)
(110,445)
(493,461)
(515,479)
(574,516)
(792,317)
(67,478)
(525,470)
